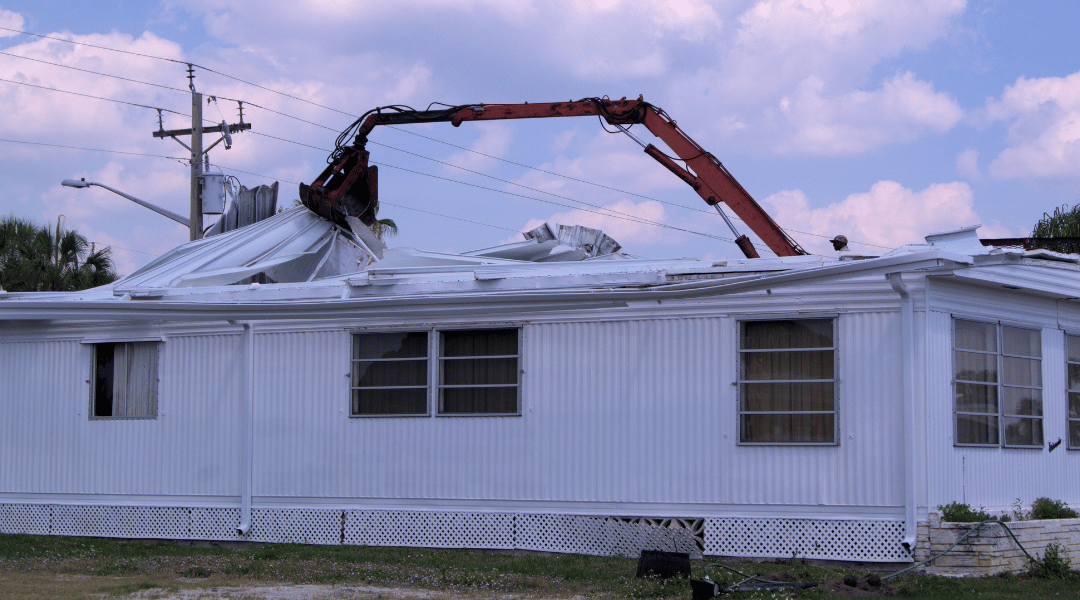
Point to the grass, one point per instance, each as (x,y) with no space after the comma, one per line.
(73,568)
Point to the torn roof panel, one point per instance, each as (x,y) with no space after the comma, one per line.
(289,247)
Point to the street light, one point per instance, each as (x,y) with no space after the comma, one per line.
(83,183)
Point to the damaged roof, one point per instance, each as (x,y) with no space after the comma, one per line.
(310,262)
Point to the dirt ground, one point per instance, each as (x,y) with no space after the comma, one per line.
(78,587)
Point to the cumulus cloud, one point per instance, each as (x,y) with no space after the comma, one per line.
(10,20)
(494,141)
(858,121)
(1044,134)
(887,216)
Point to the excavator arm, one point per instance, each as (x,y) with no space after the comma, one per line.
(348,187)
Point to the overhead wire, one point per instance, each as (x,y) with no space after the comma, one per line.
(42,87)
(38,60)
(359,118)
(609,214)
(185,160)
(227,168)
(49,37)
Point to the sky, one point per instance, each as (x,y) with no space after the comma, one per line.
(882,120)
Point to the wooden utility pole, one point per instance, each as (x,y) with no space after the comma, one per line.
(196,164)
(196,148)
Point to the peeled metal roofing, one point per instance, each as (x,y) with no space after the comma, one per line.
(292,246)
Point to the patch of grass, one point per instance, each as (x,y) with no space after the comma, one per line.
(117,569)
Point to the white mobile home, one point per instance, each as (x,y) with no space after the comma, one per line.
(503,399)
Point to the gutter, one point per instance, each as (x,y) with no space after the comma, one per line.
(907,348)
(91,310)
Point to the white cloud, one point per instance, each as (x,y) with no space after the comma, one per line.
(967,164)
(1044,135)
(494,141)
(10,20)
(857,121)
(888,215)
(780,42)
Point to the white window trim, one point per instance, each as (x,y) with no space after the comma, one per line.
(835,318)
(1001,443)
(434,361)
(1068,420)
(92,383)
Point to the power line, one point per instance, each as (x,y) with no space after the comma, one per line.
(351,115)
(49,37)
(380,202)
(610,213)
(95,72)
(92,149)
(41,87)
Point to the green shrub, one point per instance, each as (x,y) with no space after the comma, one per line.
(1045,508)
(1052,565)
(956,512)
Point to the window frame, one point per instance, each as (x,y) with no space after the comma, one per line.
(1069,420)
(155,394)
(434,361)
(1000,385)
(739,381)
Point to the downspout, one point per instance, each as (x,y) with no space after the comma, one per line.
(247,398)
(907,347)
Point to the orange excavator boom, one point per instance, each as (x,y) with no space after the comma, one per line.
(349,185)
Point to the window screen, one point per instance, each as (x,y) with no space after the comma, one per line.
(478,372)
(787,382)
(390,373)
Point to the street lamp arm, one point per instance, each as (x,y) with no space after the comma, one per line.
(161,211)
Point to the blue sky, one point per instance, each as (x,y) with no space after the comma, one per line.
(881,120)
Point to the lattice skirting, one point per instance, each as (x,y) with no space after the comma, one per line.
(870,541)
(602,536)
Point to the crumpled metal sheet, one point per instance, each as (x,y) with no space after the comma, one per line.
(293,246)
(582,242)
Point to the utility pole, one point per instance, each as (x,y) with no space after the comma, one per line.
(196,161)
(196,148)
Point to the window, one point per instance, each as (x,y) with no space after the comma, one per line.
(124,380)
(787,382)
(1073,349)
(998,384)
(476,373)
(390,373)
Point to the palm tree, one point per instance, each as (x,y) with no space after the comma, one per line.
(37,259)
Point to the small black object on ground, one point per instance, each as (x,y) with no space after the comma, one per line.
(665,565)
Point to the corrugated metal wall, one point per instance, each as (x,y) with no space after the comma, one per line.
(996,477)
(634,417)
(50,446)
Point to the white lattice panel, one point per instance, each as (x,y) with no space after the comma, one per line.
(25,518)
(600,536)
(216,524)
(429,529)
(870,541)
(121,521)
(299,526)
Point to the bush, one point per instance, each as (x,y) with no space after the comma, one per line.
(1045,508)
(1052,565)
(956,512)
